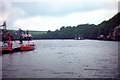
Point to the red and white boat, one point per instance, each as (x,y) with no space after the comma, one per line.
(8,47)
(27,47)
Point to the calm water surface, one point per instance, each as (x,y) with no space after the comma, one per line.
(64,59)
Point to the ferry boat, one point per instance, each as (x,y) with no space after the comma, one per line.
(7,45)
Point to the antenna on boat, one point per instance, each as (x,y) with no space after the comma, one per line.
(21,37)
(4,25)
(27,36)
(4,33)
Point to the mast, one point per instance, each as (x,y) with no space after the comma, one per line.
(28,37)
(21,37)
(6,37)
(10,40)
(3,33)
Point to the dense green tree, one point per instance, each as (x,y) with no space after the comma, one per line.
(88,31)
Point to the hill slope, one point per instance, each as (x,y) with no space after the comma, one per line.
(88,31)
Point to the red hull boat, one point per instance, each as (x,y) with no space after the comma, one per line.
(9,50)
(6,50)
(27,47)
(7,38)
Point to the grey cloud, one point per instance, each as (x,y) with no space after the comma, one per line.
(21,10)
(57,9)
(4,7)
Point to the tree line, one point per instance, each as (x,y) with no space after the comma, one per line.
(88,31)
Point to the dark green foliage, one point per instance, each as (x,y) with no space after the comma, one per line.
(85,30)
(107,27)
(88,31)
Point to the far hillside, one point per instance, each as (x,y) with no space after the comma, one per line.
(35,34)
(105,29)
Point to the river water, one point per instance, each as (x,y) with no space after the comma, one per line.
(64,59)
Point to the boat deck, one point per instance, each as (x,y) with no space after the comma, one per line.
(16,47)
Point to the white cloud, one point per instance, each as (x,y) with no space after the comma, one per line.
(44,23)
(14,14)
(61,7)
(5,8)
(9,13)
(69,13)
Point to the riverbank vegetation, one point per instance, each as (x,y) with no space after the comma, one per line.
(106,30)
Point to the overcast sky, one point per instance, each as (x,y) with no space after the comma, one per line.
(44,15)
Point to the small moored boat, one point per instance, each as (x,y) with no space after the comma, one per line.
(27,47)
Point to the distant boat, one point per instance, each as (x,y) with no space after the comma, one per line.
(79,38)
